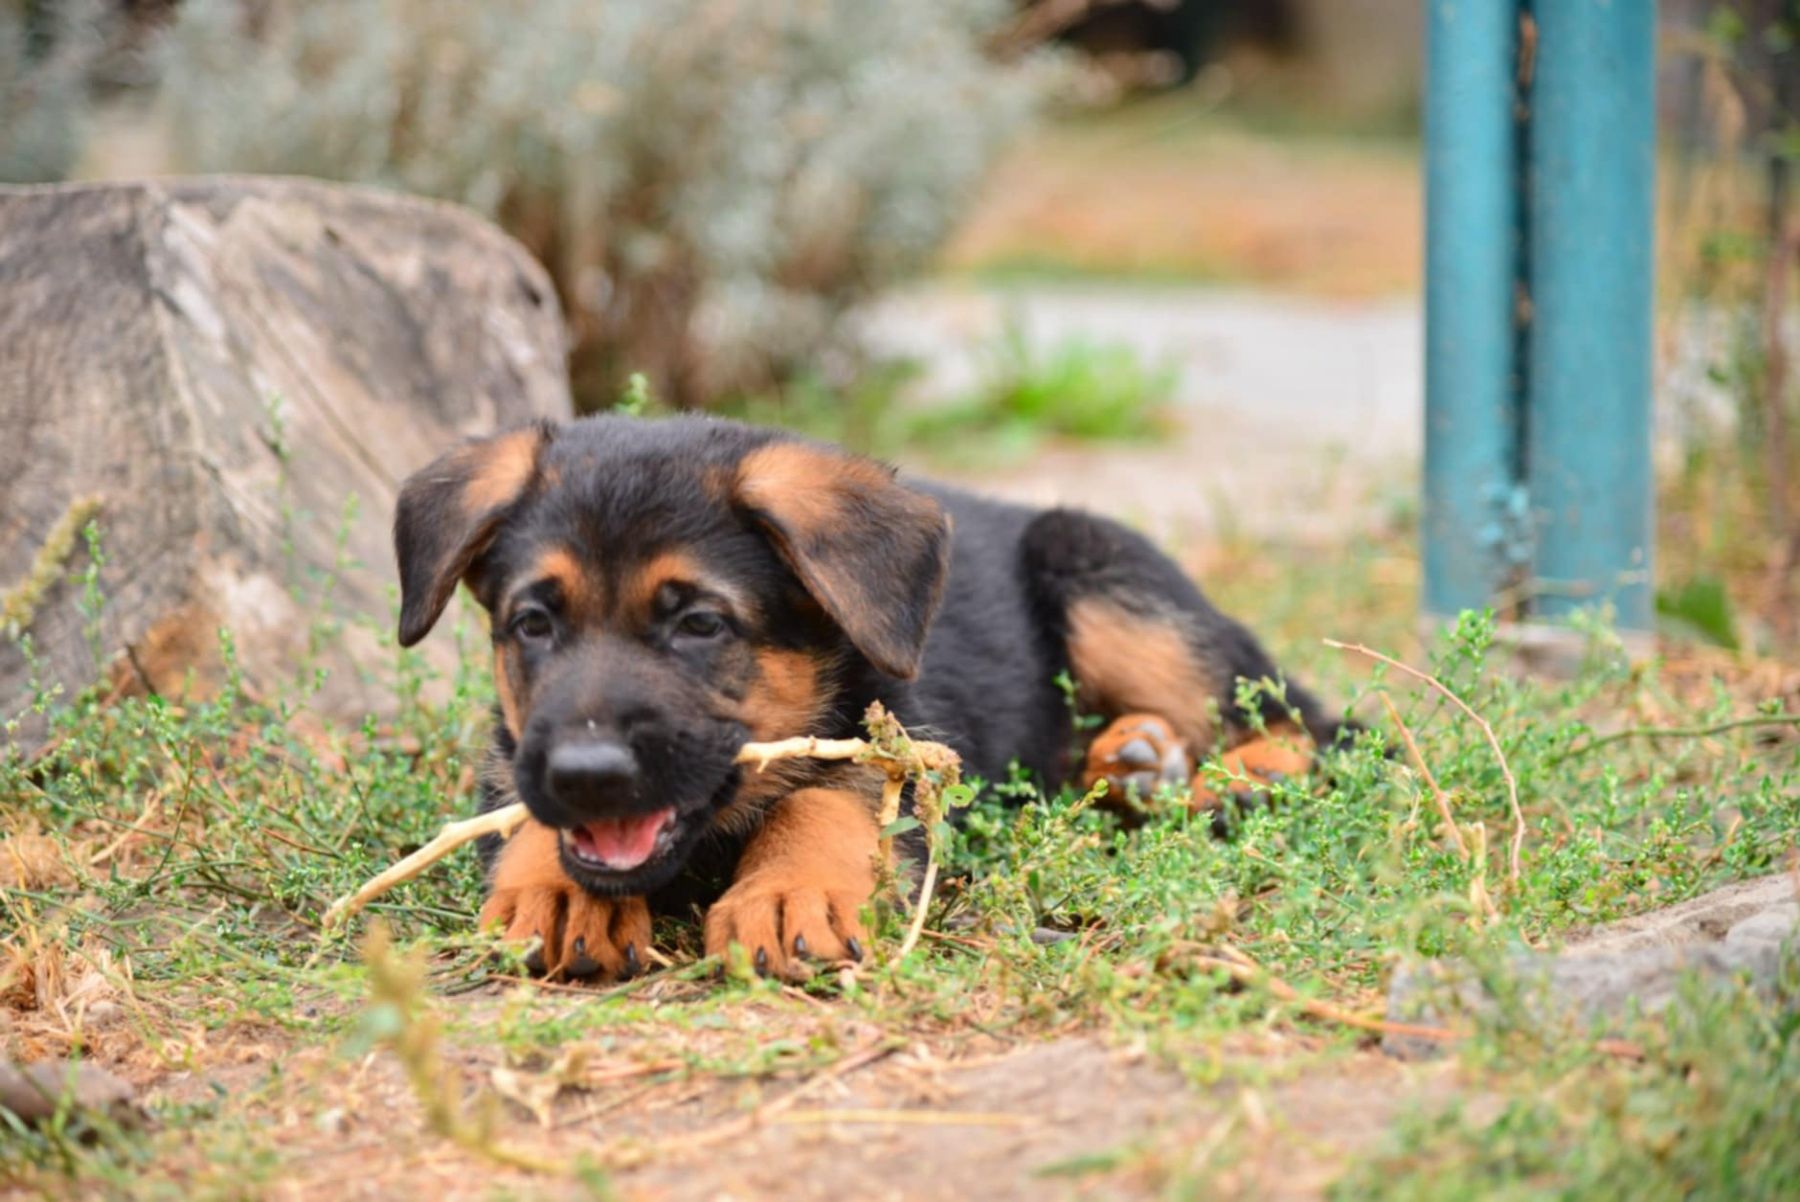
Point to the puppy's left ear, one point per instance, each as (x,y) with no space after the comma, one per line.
(449,512)
(873,553)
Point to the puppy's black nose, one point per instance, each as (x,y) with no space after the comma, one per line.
(591,770)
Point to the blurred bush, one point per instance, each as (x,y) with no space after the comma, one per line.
(710,182)
(46,51)
(1730,514)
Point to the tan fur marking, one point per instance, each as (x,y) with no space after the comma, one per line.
(507,690)
(1285,751)
(504,466)
(802,483)
(667,567)
(1127,663)
(785,699)
(579,589)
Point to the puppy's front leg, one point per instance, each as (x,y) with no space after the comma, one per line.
(804,877)
(583,936)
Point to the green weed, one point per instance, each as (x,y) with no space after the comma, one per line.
(1078,389)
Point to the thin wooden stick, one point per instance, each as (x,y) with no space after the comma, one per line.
(503,821)
(1437,793)
(925,890)
(764,754)
(1512,786)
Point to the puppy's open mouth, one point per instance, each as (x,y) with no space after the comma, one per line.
(622,844)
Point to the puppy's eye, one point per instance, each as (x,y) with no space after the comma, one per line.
(701,624)
(533,626)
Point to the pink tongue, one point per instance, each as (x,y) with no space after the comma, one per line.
(621,843)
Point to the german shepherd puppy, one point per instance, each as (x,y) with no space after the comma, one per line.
(663,591)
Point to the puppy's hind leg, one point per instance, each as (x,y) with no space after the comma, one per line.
(1136,755)
(1151,654)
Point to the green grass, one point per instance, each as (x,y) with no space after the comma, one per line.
(1078,390)
(236,821)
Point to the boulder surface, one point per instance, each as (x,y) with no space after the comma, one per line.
(230,377)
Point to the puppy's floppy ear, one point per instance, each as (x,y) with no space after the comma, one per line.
(873,553)
(449,512)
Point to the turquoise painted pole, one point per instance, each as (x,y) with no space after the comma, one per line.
(1471,265)
(1592,174)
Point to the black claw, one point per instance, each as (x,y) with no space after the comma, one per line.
(633,965)
(534,959)
(855,948)
(580,963)
(762,962)
(799,945)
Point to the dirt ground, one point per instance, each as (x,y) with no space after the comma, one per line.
(919,1118)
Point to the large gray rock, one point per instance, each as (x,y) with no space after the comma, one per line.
(239,372)
(1606,975)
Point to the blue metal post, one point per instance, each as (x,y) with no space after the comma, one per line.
(1471,262)
(1592,173)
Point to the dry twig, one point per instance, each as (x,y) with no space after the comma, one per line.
(1437,793)
(1512,786)
(503,822)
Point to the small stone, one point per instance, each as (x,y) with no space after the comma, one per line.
(102,1014)
(34,1092)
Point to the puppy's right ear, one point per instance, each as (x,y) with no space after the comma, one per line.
(448,514)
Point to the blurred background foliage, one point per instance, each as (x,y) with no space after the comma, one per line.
(1730,261)
(712,184)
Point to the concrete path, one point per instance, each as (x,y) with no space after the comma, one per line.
(1294,417)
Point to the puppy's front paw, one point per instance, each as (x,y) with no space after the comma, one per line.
(581,936)
(801,882)
(784,921)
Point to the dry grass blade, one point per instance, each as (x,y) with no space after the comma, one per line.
(1437,793)
(1517,848)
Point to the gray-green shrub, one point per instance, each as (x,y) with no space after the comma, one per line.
(711,182)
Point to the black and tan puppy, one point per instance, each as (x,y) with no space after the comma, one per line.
(663,591)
